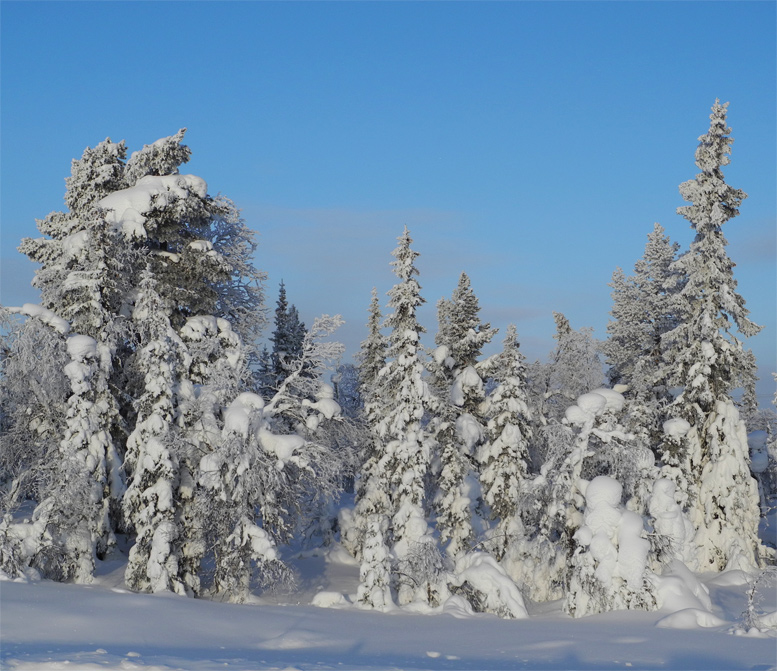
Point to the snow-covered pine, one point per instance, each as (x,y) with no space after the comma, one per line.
(645,307)
(152,461)
(708,362)
(238,476)
(200,249)
(372,359)
(504,457)
(670,522)
(554,500)
(163,157)
(610,565)
(96,174)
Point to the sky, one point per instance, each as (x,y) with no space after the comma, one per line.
(531,145)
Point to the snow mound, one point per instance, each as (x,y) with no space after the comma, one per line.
(330,600)
(679,590)
(690,618)
(484,574)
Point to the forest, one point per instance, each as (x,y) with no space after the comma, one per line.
(154,404)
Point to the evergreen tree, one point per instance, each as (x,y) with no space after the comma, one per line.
(152,459)
(708,363)
(505,454)
(372,358)
(373,487)
(645,307)
(401,427)
(610,566)
(459,426)
(286,339)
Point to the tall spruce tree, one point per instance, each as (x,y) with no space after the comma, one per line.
(708,362)
(396,485)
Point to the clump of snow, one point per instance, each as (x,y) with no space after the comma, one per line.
(614,400)
(676,428)
(324,404)
(237,417)
(196,328)
(127,209)
(466,379)
(81,347)
(592,403)
(330,600)
(282,446)
(469,431)
(46,316)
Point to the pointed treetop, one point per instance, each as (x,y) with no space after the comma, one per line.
(714,201)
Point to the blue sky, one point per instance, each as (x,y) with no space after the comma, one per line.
(530,144)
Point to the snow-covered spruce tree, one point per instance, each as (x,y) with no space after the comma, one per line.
(404,444)
(708,362)
(215,375)
(82,279)
(78,509)
(458,426)
(645,307)
(504,457)
(152,458)
(372,486)
(286,339)
(236,478)
(610,565)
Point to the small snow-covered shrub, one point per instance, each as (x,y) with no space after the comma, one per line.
(610,563)
(487,587)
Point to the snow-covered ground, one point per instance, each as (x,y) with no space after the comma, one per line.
(52,626)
